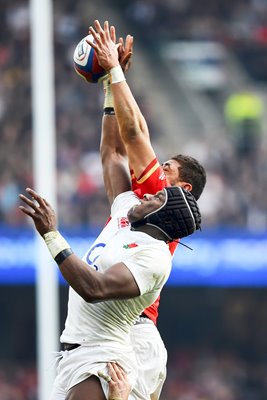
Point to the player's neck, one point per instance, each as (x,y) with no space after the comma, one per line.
(152,231)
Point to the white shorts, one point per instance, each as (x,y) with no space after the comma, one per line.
(148,359)
(79,364)
(151,356)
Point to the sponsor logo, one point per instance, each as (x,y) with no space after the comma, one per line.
(162,176)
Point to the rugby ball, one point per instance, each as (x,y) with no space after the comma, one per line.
(85,61)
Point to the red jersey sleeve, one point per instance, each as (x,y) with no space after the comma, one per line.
(151,180)
(152,312)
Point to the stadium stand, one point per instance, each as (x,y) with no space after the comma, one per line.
(80,187)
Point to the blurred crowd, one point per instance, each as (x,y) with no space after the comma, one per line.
(192,375)
(78,120)
(243,22)
(241,25)
(18,382)
(236,191)
(81,196)
(210,375)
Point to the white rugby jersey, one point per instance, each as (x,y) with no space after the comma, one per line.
(149,261)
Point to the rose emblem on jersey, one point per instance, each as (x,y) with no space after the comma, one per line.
(130,245)
(123,222)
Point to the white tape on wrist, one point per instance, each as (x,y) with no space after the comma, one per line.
(55,243)
(108,99)
(116,75)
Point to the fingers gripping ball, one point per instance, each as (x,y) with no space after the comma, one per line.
(85,61)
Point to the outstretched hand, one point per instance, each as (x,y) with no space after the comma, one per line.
(125,52)
(40,211)
(105,45)
(108,52)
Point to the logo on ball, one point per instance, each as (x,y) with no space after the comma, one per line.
(81,51)
(85,61)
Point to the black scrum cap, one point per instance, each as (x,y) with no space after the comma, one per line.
(178,217)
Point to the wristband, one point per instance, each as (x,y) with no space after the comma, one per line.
(63,255)
(116,75)
(55,243)
(109,111)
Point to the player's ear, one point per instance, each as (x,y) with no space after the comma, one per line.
(186,186)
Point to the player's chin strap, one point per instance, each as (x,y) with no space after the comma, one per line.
(183,244)
(142,222)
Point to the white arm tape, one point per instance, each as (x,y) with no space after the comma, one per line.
(55,243)
(108,99)
(116,75)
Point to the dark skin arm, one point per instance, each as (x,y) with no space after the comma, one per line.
(112,150)
(114,159)
(116,283)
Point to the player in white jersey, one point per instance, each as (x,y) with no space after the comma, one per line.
(130,273)
(118,244)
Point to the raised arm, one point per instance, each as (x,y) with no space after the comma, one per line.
(112,150)
(115,283)
(132,125)
(114,159)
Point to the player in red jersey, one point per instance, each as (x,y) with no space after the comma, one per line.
(122,115)
(180,170)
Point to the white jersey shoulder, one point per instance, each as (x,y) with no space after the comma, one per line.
(124,201)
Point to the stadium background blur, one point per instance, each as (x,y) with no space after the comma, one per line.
(194,65)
